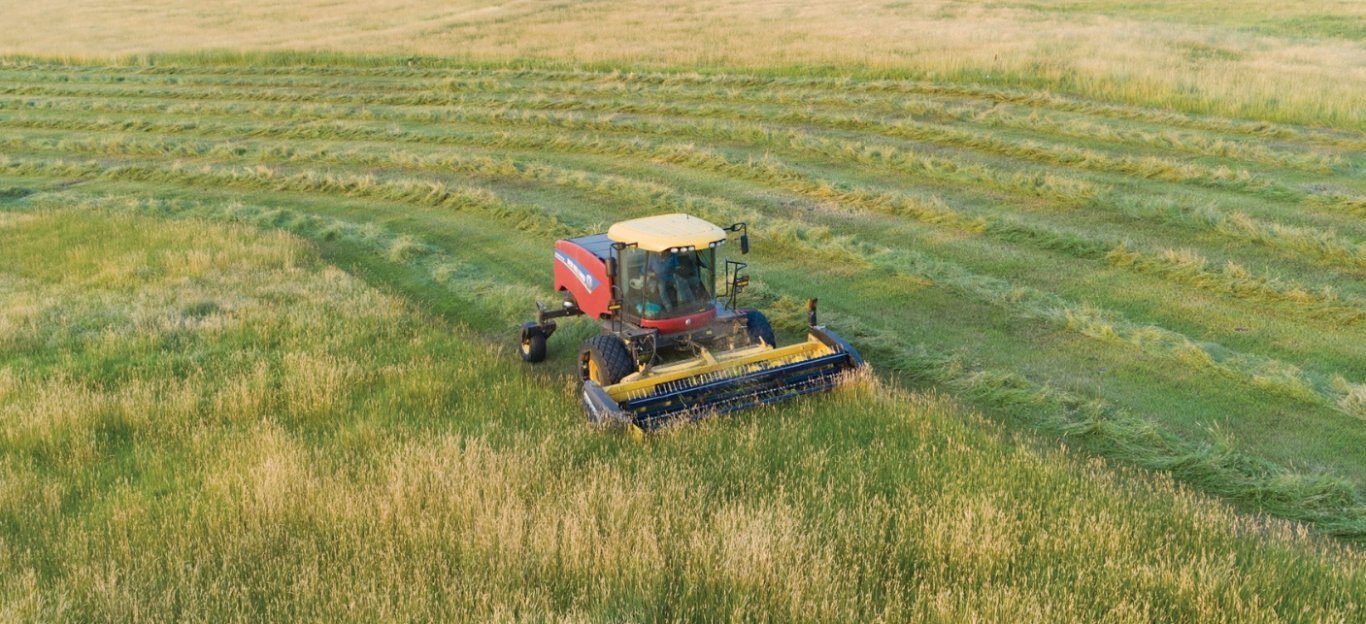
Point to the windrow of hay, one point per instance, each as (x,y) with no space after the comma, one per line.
(1326,246)
(612,92)
(466,110)
(1054,185)
(928,211)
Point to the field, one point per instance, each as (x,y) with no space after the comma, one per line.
(1283,60)
(258,310)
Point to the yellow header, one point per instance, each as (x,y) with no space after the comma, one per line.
(735,363)
(664,231)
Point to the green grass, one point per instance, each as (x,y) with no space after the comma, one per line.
(1176,300)
(294,444)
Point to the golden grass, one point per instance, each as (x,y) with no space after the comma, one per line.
(1197,56)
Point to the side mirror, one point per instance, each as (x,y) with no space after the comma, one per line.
(612,269)
(744,243)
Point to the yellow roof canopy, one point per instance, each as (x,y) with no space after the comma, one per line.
(661,232)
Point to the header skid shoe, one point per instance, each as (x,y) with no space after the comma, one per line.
(739,379)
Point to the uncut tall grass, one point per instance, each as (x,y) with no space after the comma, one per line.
(224,426)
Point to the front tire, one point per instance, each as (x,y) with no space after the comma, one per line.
(605,360)
(532,345)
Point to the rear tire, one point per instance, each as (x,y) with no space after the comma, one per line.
(605,360)
(758,327)
(532,345)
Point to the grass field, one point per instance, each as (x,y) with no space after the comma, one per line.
(257,312)
(223,426)
(1299,60)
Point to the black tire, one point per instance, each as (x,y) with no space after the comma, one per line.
(758,327)
(605,359)
(532,343)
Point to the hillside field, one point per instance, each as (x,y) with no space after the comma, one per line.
(258,307)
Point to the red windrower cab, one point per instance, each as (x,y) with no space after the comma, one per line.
(581,273)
